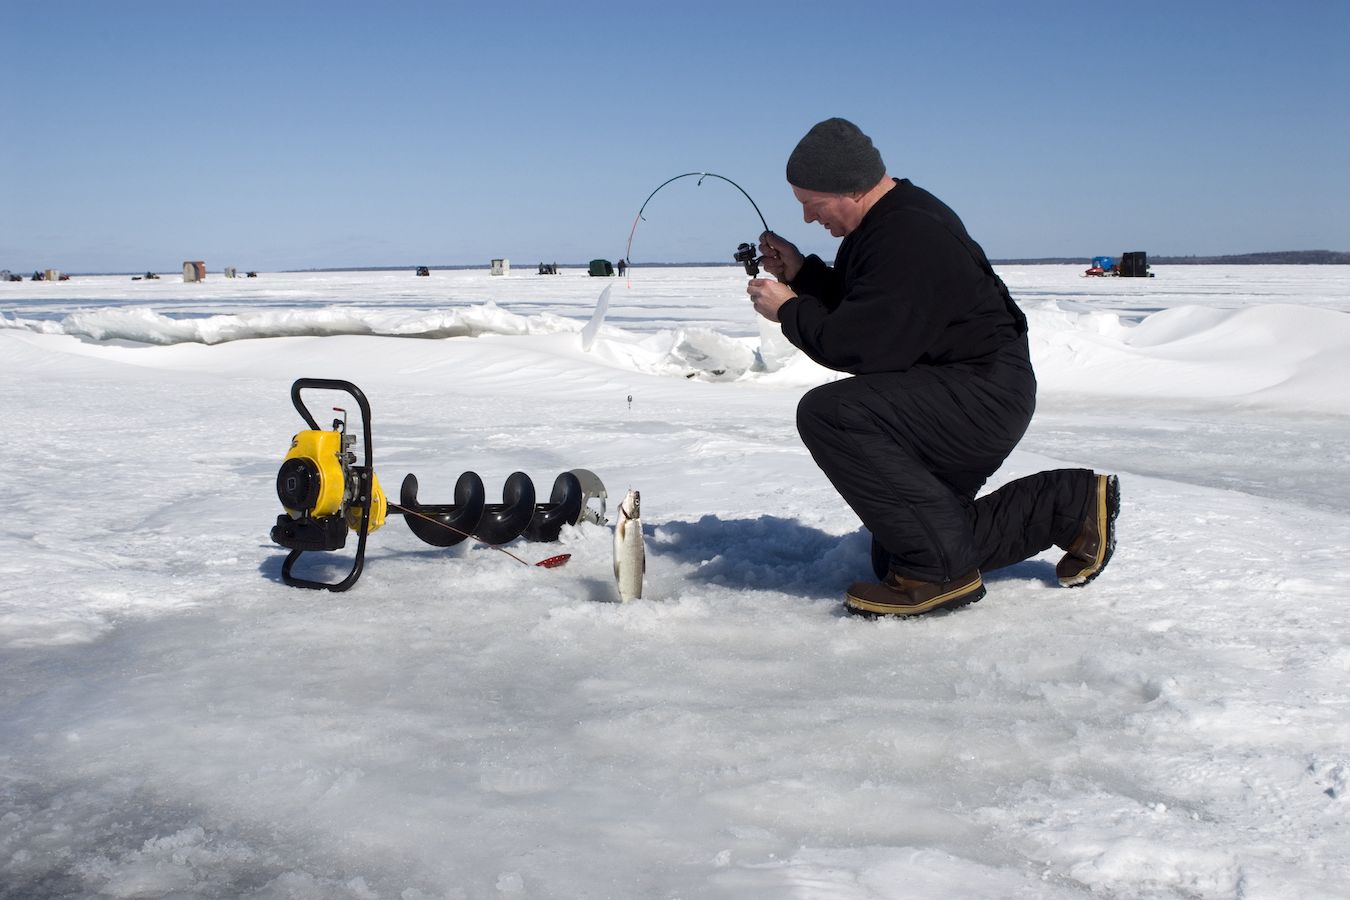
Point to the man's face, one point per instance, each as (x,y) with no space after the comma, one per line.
(838,214)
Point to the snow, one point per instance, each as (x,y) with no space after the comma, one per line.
(176,722)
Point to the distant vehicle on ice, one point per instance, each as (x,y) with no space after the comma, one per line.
(1132,265)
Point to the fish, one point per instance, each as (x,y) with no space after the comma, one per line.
(630,557)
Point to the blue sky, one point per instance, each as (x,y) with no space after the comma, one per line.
(291,135)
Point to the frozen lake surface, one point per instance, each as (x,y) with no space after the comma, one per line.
(176,722)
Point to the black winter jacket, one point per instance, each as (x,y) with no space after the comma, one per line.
(909,288)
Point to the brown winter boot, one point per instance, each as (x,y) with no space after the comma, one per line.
(1091,550)
(900,596)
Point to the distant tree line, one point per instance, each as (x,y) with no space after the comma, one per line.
(1279,257)
(1276,258)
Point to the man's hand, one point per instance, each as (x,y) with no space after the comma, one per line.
(768,296)
(781,257)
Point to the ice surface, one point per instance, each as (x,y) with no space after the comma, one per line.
(175,722)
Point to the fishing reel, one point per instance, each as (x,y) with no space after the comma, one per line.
(749,255)
(327,490)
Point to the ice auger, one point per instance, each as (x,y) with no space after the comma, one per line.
(327,491)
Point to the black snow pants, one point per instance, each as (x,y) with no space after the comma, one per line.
(909,450)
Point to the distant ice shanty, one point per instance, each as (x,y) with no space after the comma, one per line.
(194,270)
(1134,265)
(501,267)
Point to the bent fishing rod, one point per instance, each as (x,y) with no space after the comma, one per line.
(745,253)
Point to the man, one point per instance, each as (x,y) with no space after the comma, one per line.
(942,391)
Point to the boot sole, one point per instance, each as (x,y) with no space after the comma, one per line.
(1108,504)
(950,600)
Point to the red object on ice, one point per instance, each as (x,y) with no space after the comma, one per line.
(554,561)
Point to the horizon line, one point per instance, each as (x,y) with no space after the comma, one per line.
(1339,258)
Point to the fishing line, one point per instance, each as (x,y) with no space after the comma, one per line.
(551,563)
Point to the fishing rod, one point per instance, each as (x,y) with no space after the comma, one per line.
(745,253)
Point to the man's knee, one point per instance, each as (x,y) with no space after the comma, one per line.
(809,405)
(817,412)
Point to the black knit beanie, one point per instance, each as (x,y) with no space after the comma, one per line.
(835,157)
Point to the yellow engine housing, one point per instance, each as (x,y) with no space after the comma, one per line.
(324,449)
